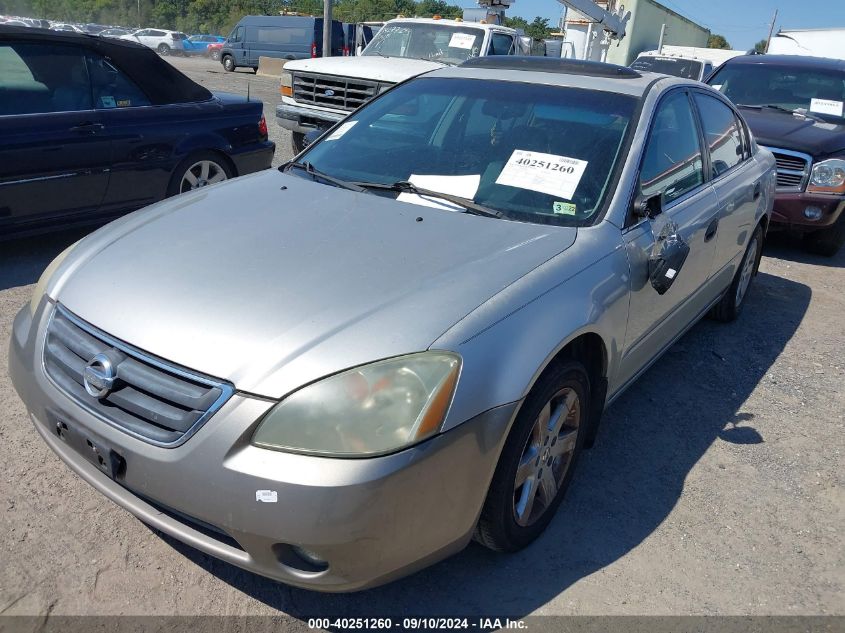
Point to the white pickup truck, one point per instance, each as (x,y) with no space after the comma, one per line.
(317,93)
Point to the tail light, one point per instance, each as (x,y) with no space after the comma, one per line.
(346,51)
(262,126)
(313,49)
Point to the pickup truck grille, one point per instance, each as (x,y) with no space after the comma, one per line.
(150,399)
(793,169)
(334,92)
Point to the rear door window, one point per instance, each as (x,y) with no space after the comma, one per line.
(111,88)
(36,78)
(722,133)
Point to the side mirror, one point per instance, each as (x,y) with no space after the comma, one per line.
(648,207)
(311,136)
(667,259)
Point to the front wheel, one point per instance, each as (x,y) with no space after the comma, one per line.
(198,170)
(163,50)
(228,63)
(732,303)
(538,460)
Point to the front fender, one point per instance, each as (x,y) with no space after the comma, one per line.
(508,342)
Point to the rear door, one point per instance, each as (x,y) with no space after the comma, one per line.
(737,186)
(673,164)
(54,155)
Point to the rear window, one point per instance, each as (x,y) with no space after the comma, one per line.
(675,66)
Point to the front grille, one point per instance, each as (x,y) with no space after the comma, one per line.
(150,399)
(793,169)
(343,93)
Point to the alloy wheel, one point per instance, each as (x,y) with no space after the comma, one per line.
(546,457)
(201,174)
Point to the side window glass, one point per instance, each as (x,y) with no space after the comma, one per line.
(37,78)
(672,163)
(721,132)
(501,44)
(237,35)
(111,88)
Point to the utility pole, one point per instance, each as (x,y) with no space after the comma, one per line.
(771,30)
(327,28)
(139,14)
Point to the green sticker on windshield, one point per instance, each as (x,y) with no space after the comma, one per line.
(564,208)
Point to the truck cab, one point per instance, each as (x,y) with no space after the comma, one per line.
(687,67)
(317,93)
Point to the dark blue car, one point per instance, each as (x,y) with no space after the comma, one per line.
(91,128)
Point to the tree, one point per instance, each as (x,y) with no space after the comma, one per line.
(516,22)
(760,47)
(717,41)
(539,28)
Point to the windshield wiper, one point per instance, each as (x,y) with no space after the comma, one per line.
(308,168)
(771,106)
(403,186)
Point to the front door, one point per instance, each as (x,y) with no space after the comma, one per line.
(672,165)
(54,157)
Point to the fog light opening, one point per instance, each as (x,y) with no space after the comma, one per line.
(299,558)
(813,213)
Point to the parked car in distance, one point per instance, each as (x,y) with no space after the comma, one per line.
(198,44)
(163,42)
(282,37)
(114,32)
(464,273)
(95,127)
(68,28)
(794,106)
(675,65)
(214,50)
(317,93)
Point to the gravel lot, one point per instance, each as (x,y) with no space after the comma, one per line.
(715,486)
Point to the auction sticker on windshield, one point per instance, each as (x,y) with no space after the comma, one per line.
(826,106)
(462,40)
(546,173)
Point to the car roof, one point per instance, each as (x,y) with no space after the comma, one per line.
(799,61)
(560,72)
(275,19)
(35,34)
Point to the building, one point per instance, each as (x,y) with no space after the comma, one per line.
(586,40)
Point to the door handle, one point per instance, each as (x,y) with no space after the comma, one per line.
(757,190)
(88,127)
(711,230)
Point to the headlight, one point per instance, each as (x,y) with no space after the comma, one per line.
(286,85)
(369,410)
(41,286)
(828,176)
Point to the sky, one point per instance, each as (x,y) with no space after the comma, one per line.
(742,22)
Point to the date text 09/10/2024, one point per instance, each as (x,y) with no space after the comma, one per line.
(411,623)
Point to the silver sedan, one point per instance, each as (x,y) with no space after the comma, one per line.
(338,372)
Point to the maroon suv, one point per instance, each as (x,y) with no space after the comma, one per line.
(794,107)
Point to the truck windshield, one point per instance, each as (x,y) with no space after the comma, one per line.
(422,40)
(820,92)
(535,153)
(675,66)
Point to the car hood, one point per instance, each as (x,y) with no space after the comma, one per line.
(271,280)
(787,131)
(375,67)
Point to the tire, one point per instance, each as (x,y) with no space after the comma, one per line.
(297,142)
(163,50)
(511,517)
(828,241)
(731,304)
(215,55)
(228,63)
(193,167)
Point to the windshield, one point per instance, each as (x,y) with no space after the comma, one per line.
(675,66)
(535,153)
(422,40)
(803,89)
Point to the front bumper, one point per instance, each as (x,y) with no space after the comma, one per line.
(303,119)
(789,210)
(372,520)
